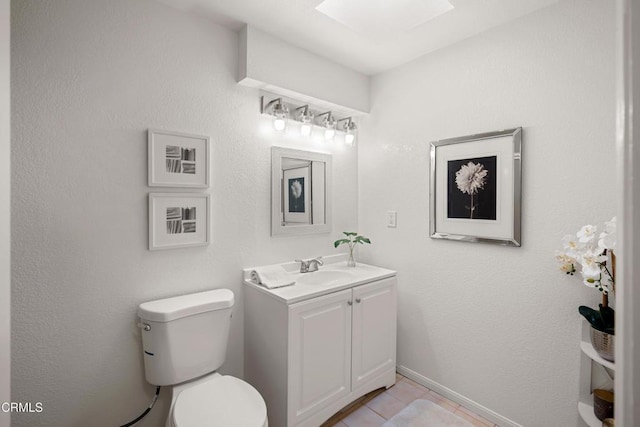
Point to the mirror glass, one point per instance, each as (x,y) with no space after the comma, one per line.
(299,191)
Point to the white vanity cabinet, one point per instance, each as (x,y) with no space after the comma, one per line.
(373,348)
(310,357)
(319,354)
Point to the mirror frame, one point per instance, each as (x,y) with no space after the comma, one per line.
(277,229)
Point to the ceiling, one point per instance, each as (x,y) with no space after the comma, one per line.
(368,36)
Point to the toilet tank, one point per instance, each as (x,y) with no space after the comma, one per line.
(185,337)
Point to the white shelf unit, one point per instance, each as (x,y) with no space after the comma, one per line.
(595,372)
(588,349)
(586,412)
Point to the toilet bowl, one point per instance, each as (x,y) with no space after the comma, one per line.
(217,400)
(184,342)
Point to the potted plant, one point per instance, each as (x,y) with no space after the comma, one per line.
(596,260)
(352,240)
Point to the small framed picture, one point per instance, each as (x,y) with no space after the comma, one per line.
(475,192)
(178,220)
(178,159)
(297,197)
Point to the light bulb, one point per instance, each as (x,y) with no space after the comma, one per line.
(350,135)
(329,125)
(306,119)
(280,114)
(349,138)
(278,124)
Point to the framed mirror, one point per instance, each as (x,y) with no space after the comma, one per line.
(300,192)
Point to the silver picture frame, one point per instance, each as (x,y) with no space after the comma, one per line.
(475,190)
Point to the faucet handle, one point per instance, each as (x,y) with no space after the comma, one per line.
(304,265)
(315,263)
(309,265)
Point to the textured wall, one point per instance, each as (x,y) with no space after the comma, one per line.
(89,77)
(498,325)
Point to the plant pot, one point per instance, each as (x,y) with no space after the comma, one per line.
(602,404)
(603,344)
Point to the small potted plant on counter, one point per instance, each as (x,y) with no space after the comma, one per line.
(352,240)
(596,260)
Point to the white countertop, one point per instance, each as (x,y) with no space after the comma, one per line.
(334,276)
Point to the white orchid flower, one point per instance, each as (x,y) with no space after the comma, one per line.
(591,275)
(572,245)
(567,262)
(587,233)
(591,258)
(608,236)
(586,251)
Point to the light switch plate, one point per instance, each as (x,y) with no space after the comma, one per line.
(392,217)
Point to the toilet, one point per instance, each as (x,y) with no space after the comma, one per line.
(184,342)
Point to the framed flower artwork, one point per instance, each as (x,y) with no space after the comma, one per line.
(297,197)
(475,191)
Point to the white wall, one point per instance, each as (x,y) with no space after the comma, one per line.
(497,325)
(273,64)
(88,79)
(5,211)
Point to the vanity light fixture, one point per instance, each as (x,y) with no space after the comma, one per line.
(306,118)
(350,128)
(329,125)
(279,111)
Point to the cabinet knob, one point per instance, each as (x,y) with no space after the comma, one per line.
(358,300)
(349,302)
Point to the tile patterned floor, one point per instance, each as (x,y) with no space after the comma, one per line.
(378,406)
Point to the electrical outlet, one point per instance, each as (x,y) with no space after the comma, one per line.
(392,217)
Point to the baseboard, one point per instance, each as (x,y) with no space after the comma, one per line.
(486,413)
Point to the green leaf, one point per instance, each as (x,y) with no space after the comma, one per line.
(339,242)
(349,233)
(362,240)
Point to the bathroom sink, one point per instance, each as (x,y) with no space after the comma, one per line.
(323,277)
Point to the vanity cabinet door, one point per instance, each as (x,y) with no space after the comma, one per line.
(374,330)
(319,354)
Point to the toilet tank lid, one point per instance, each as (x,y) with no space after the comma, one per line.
(168,309)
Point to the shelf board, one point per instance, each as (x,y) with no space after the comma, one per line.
(588,349)
(586,412)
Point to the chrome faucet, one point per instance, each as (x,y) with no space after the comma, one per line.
(310,265)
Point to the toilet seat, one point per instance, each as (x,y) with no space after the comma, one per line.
(222,401)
